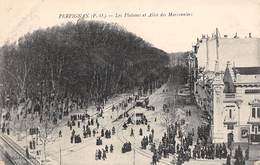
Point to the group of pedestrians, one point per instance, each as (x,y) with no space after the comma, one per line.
(79,121)
(175,142)
(102,153)
(240,158)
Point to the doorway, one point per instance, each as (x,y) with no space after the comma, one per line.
(230,139)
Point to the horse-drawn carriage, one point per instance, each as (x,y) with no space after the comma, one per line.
(150,108)
(77,139)
(142,102)
(139,118)
(126,147)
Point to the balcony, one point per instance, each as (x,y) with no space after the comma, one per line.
(253,120)
(233,97)
(228,120)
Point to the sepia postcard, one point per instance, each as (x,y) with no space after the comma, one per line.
(140,82)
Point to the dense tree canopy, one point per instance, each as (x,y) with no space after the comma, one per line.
(87,60)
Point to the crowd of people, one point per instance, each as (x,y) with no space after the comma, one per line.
(168,144)
(240,159)
(173,141)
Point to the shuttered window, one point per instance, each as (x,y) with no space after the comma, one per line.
(258,112)
(253,112)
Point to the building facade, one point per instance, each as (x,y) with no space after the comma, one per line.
(236,105)
(229,49)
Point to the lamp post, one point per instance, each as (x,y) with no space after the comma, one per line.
(1,106)
(134,138)
(248,142)
(60,155)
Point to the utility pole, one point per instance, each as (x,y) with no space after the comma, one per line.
(134,139)
(60,155)
(207,54)
(1,109)
(1,106)
(217,53)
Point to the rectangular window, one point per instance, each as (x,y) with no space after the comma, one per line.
(258,112)
(250,91)
(253,112)
(230,126)
(253,128)
(258,128)
(230,113)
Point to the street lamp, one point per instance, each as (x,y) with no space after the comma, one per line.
(134,137)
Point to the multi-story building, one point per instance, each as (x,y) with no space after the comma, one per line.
(236,105)
(242,51)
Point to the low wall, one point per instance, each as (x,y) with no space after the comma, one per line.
(14,156)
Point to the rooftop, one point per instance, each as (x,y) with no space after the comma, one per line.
(239,51)
(247,70)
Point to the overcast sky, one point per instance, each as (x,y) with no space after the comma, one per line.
(168,33)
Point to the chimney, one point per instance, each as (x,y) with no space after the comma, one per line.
(228,64)
(236,35)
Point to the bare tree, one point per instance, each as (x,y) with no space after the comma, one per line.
(47,129)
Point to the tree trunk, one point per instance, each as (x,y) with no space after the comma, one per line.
(44,150)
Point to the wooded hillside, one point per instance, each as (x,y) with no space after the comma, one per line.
(84,60)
